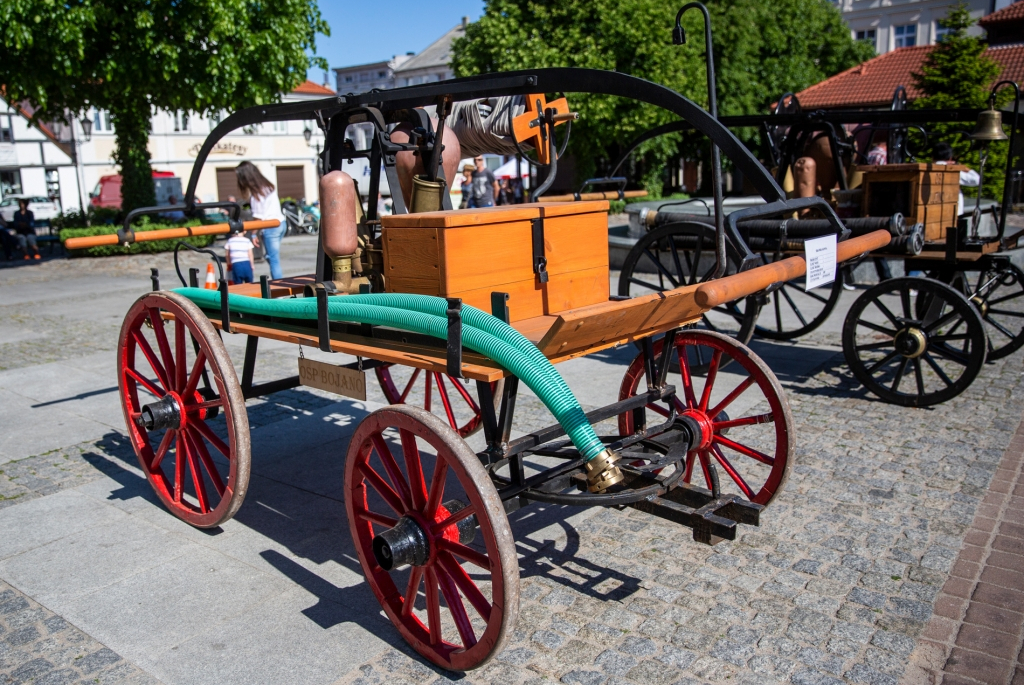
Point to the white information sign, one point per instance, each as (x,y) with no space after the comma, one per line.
(820,254)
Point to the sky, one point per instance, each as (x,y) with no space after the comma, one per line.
(374,30)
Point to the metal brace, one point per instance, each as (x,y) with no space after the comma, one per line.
(323,323)
(225,312)
(540,262)
(454,337)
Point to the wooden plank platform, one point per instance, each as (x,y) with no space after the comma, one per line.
(281,287)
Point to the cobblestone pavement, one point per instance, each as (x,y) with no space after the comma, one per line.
(836,586)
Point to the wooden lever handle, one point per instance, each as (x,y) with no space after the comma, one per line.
(605,195)
(165,234)
(730,288)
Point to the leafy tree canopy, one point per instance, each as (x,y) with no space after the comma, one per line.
(957,74)
(131,56)
(762,50)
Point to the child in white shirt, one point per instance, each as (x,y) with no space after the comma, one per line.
(238,249)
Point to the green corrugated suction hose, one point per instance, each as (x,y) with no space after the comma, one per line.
(424,314)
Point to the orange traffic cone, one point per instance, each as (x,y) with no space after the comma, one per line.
(211,280)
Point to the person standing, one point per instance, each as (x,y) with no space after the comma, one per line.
(24,224)
(485,186)
(238,250)
(265,206)
(467,185)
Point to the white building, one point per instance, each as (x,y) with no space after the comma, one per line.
(432,64)
(891,24)
(365,77)
(40,160)
(33,160)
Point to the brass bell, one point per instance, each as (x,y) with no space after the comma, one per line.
(989,127)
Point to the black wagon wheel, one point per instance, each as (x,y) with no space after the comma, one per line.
(680,254)
(998,292)
(790,312)
(911,354)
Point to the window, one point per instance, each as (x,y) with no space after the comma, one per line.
(6,132)
(215,119)
(941,32)
(906,35)
(348,79)
(280,127)
(53,183)
(867,36)
(181,122)
(10,183)
(382,74)
(101,121)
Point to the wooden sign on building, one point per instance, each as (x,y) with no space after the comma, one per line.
(924,193)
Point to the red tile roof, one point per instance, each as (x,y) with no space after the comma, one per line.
(1009,13)
(872,83)
(310,88)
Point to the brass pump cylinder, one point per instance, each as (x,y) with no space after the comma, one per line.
(338,201)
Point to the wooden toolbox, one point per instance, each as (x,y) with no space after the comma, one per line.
(924,193)
(471,253)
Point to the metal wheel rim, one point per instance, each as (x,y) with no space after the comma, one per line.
(1002,341)
(771,391)
(196,446)
(864,365)
(413,495)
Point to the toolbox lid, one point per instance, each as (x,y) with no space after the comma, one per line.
(491,215)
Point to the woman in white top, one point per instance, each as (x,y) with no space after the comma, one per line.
(265,206)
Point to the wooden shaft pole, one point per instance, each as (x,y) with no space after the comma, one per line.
(730,288)
(607,195)
(166,234)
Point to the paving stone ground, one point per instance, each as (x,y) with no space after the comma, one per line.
(838,585)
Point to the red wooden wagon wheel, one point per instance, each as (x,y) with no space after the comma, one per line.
(435,392)
(432,536)
(176,383)
(754,450)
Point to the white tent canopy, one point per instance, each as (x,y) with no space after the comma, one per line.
(508,169)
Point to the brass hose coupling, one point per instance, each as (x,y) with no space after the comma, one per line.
(602,473)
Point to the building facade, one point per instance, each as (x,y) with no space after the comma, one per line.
(33,159)
(365,77)
(891,24)
(432,64)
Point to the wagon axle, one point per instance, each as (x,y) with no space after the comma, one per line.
(408,544)
(162,414)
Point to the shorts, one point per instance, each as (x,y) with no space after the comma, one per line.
(241,272)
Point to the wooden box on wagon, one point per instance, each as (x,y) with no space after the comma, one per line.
(472,253)
(924,193)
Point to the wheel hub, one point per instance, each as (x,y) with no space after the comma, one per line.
(700,426)
(408,543)
(911,342)
(981,304)
(164,413)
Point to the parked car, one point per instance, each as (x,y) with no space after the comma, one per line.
(43,207)
(107,192)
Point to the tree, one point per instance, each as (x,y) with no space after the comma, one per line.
(761,51)
(957,74)
(133,56)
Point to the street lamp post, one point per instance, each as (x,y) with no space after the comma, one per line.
(76,153)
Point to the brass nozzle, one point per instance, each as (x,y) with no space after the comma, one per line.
(342,264)
(602,473)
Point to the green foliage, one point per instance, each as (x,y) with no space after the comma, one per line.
(761,51)
(130,56)
(94,216)
(135,248)
(957,74)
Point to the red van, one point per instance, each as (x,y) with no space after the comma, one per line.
(107,192)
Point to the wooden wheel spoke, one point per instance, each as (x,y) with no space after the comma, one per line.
(900,370)
(942,321)
(163,344)
(662,270)
(465,584)
(150,355)
(744,450)
(776,300)
(716,358)
(905,303)
(946,352)
(151,387)
(465,394)
(438,527)
(999,327)
(704,466)
(937,369)
(442,392)
(409,385)
(411,591)
(414,467)
(733,473)
(426,397)
(792,304)
(433,608)
(200,406)
(691,457)
(883,361)
(888,314)
(214,439)
(816,296)
(179,353)
(649,286)
(436,491)
(197,475)
(161,450)
(390,497)
(1006,312)
(918,376)
(468,553)
(194,375)
(207,461)
(179,466)
(875,327)
(374,517)
(456,607)
(684,369)
(874,345)
(391,468)
(658,409)
(744,421)
(731,397)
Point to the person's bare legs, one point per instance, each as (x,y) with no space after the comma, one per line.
(408,164)
(805,176)
(821,152)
